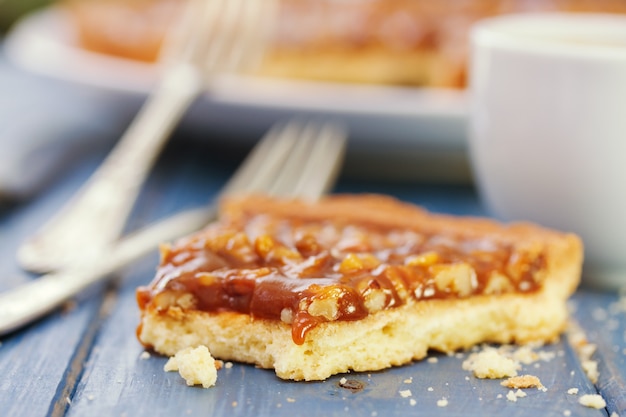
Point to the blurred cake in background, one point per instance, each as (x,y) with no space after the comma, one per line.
(399,42)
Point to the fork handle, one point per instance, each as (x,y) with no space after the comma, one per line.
(96,215)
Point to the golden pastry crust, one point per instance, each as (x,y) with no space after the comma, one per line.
(177,315)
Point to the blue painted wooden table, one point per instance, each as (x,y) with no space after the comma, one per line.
(84,359)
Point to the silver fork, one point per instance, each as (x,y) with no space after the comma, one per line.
(213,36)
(296,159)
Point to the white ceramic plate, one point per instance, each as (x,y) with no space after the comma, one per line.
(428,124)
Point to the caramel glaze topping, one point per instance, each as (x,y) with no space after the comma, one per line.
(305,273)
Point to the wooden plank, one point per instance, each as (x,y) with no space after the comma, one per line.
(39,362)
(603,319)
(42,362)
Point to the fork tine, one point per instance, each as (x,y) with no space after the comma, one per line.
(312,166)
(287,160)
(292,169)
(260,167)
(324,162)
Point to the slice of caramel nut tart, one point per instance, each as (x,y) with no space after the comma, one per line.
(354,283)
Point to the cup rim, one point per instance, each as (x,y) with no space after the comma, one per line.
(550,29)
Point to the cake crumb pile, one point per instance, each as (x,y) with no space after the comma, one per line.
(195,365)
(490,363)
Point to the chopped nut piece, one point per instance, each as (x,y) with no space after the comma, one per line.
(423,259)
(357,262)
(458,278)
(263,245)
(326,304)
(206,279)
(164,300)
(186,301)
(272,251)
(498,284)
(375,300)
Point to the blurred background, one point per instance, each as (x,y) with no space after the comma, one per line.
(393,70)
(11,10)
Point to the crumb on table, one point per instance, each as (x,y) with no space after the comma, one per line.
(195,365)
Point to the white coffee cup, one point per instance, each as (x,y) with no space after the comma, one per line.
(547,129)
